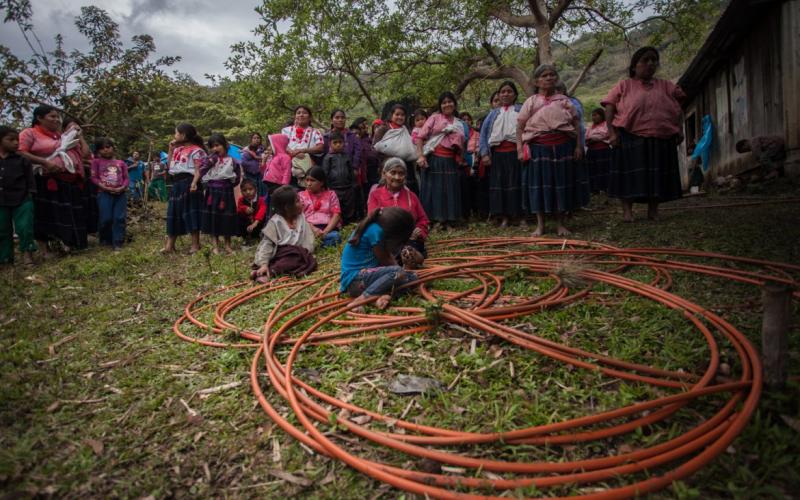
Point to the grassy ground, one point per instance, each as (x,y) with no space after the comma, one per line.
(95,387)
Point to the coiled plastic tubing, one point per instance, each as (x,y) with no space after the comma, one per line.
(576,268)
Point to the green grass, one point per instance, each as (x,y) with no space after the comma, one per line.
(121,378)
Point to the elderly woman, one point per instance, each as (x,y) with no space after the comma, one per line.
(305,142)
(59,201)
(547,128)
(393,192)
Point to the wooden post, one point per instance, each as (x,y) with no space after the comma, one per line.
(777,299)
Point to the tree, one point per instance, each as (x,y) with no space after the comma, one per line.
(105,88)
(420,47)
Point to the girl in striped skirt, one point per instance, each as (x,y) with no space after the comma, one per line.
(547,127)
(186,156)
(220,174)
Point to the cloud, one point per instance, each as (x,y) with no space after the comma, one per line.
(199,31)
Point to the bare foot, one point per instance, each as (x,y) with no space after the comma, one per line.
(216,250)
(652,213)
(539,231)
(167,250)
(563,231)
(504,223)
(194,250)
(627,217)
(523,223)
(411,258)
(383,301)
(228,250)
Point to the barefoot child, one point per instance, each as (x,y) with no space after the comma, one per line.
(368,266)
(252,210)
(186,156)
(220,174)
(16,204)
(286,241)
(111,178)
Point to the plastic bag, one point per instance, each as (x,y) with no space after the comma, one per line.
(397,142)
(703,148)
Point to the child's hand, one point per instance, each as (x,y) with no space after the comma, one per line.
(317,231)
(249,210)
(252,227)
(263,271)
(416,234)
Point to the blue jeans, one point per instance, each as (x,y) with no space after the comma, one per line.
(113,209)
(379,281)
(331,239)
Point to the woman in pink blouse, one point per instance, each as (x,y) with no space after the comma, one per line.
(59,206)
(644,127)
(547,128)
(321,208)
(440,145)
(393,192)
(598,151)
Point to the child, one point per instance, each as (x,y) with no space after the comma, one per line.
(598,153)
(16,203)
(278,171)
(111,178)
(321,207)
(252,210)
(221,174)
(286,241)
(420,117)
(340,175)
(186,155)
(136,176)
(368,265)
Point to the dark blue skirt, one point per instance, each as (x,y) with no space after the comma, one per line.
(554,182)
(219,216)
(183,208)
(59,212)
(644,169)
(440,192)
(505,184)
(598,163)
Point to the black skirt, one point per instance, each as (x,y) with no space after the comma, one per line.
(644,169)
(59,212)
(505,184)
(90,206)
(219,216)
(598,163)
(440,191)
(554,180)
(183,208)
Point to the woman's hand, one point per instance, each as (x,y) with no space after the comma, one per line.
(193,187)
(317,231)
(422,162)
(486,160)
(521,154)
(252,227)
(416,234)
(263,271)
(578,151)
(51,167)
(613,137)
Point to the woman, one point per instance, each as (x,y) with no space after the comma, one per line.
(251,162)
(305,142)
(598,151)
(59,210)
(643,115)
(393,192)
(498,152)
(547,127)
(367,173)
(352,144)
(397,121)
(439,160)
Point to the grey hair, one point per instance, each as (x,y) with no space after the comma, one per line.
(392,163)
(544,67)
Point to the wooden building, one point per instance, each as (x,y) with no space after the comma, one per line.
(747,77)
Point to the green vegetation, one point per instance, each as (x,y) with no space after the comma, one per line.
(96,390)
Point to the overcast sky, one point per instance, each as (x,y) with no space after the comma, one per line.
(200,31)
